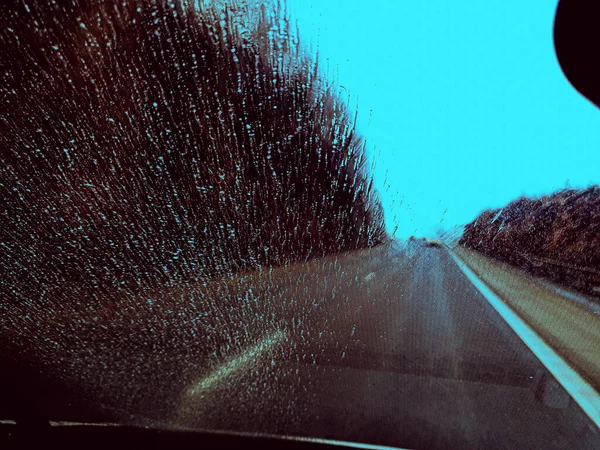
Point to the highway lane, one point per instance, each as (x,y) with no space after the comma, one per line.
(416,358)
(434,322)
(391,346)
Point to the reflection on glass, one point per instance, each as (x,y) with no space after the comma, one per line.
(201,230)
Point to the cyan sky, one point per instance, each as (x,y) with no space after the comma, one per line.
(463,103)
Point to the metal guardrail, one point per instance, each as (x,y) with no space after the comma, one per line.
(536,260)
(585,279)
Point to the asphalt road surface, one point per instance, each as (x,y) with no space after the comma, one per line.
(392,346)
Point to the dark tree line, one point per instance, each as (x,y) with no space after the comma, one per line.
(144,142)
(557,235)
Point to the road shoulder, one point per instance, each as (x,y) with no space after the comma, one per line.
(556,328)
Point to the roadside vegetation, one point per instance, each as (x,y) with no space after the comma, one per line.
(556,236)
(153,156)
(194,142)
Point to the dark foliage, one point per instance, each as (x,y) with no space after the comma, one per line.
(556,235)
(145,142)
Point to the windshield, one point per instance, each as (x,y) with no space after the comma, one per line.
(368,223)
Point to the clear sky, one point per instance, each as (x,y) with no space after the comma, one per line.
(463,103)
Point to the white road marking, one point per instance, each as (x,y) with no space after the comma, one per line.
(581,391)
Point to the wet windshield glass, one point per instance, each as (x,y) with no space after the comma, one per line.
(368,223)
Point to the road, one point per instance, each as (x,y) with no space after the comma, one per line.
(392,346)
(569,321)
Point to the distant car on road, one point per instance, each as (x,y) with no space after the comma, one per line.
(435,243)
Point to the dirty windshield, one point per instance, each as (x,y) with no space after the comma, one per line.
(375,223)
